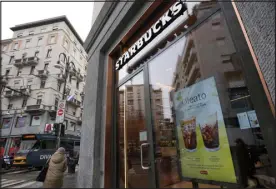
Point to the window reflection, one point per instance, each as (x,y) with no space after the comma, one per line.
(208,51)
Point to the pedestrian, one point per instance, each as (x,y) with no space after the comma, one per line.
(57,167)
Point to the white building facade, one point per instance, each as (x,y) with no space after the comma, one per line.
(28,66)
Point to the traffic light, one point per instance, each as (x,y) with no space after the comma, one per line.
(56,129)
(62,130)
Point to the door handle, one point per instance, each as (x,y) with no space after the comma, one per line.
(141,152)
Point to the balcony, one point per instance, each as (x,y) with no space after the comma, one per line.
(42,73)
(79,120)
(14,94)
(52,108)
(31,61)
(74,102)
(191,60)
(26,61)
(8,94)
(60,77)
(34,108)
(4,79)
(191,77)
(79,76)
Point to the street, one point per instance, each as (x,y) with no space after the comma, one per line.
(24,178)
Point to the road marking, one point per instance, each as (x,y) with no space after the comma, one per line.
(24,185)
(13,183)
(6,181)
(10,173)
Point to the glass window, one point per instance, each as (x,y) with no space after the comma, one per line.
(16,45)
(28,43)
(6,123)
(52,39)
(39,42)
(48,144)
(204,121)
(27,145)
(36,120)
(20,121)
(14,146)
(24,103)
(49,53)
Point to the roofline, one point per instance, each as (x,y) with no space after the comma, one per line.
(6,40)
(52,20)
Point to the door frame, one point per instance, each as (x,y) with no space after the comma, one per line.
(148,122)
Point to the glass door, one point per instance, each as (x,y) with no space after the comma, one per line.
(134,145)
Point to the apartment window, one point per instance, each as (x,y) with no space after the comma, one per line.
(15,46)
(27,45)
(38,101)
(4,48)
(36,54)
(220,41)
(20,121)
(24,103)
(56,102)
(18,72)
(6,122)
(7,72)
(58,86)
(35,120)
(49,53)
(55,28)
(20,35)
(9,106)
(77,85)
(70,78)
(42,84)
(39,42)
(46,66)
(66,44)
(85,68)
(52,39)
(130,102)
(11,59)
(74,53)
(226,58)
(74,113)
(31,33)
(32,70)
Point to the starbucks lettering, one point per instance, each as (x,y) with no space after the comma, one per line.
(171,15)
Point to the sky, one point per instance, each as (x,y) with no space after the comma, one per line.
(14,13)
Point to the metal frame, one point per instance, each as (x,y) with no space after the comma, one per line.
(266,117)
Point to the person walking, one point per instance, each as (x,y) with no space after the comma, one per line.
(57,167)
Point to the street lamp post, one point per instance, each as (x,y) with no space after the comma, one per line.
(67,70)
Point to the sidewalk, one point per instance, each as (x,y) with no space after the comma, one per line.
(69,181)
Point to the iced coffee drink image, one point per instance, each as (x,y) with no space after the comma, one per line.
(210,132)
(188,130)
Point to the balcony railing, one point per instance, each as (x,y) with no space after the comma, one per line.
(35,108)
(14,94)
(79,120)
(42,73)
(4,79)
(60,77)
(74,102)
(26,61)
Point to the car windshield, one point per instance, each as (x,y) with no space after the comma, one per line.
(26,145)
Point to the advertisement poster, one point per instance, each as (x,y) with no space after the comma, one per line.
(202,139)
(20,122)
(253,119)
(243,120)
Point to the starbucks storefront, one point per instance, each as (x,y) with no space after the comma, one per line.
(186,106)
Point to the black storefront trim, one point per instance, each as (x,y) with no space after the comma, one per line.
(198,23)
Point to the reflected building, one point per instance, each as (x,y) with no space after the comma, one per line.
(209,51)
